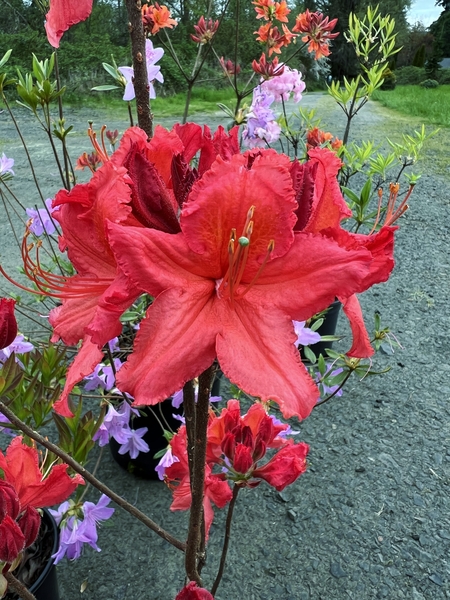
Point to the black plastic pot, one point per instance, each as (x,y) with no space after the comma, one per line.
(144,464)
(45,587)
(328,327)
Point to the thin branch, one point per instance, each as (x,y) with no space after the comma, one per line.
(91,479)
(226,540)
(18,587)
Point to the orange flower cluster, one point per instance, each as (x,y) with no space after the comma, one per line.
(271,36)
(156,17)
(317,30)
(316,138)
(270,10)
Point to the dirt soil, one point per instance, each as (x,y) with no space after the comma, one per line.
(370,518)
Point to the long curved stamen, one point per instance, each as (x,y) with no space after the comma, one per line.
(102,152)
(238,253)
(50,284)
(392,215)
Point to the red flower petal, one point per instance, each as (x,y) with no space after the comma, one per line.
(12,540)
(8,323)
(62,15)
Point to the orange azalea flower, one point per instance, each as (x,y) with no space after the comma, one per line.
(270,10)
(156,17)
(318,32)
(316,138)
(273,38)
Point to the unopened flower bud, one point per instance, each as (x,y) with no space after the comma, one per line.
(30,523)
(9,500)
(12,540)
(8,323)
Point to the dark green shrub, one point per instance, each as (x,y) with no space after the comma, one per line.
(409,75)
(430,83)
(443,76)
(389,80)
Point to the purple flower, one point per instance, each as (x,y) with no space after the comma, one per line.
(76,532)
(115,424)
(287,431)
(325,389)
(71,540)
(103,376)
(305,335)
(6,430)
(166,461)
(177,398)
(6,165)
(18,346)
(40,219)
(261,127)
(135,444)
(282,86)
(152,55)
(93,515)
(114,345)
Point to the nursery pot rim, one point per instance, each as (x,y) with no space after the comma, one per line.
(50,561)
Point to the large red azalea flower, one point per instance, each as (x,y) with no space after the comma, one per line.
(231,282)
(143,184)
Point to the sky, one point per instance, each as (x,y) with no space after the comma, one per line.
(424,11)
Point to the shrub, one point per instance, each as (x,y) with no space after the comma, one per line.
(410,75)
(389,80)
(443,76)
(429,83)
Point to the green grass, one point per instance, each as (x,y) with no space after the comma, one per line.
(430,105)
(203,100)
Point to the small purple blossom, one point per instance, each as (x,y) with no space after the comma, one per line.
(177,398)
(103,377)
(287,431)
(135,444)
(76,532)
(40,219)
(282,86)
(114,345)
(6,430)
(6,165)
(152,56)
(166,461)
(115,424)
(18,346)
(325,389)
(305,335)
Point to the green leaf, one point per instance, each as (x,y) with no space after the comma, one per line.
(104,88)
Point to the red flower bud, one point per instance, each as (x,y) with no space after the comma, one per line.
(260,450)
(192,592)
(228,445)
(9,500)
(12,540)
(30,523)
(8,323)
(243,459)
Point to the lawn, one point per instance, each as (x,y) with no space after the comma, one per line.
(430,105)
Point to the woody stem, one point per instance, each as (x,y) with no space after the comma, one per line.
(37,437)
(195,544)
(18,587)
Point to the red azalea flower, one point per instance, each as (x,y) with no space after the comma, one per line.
(62,15)
(285,467)
(267,69)
(193,592)
(8,323)
(143,184)
(205,30)
(231,282)
(318,32)
(20,466)
(22,490)
(177,476)
(229,67)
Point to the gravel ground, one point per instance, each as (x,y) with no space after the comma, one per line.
(370,518)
